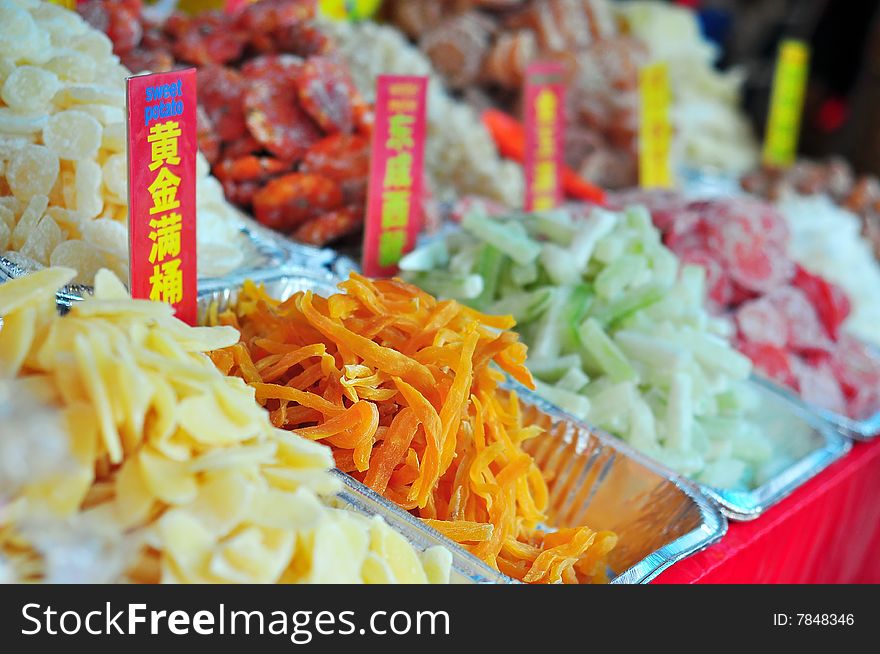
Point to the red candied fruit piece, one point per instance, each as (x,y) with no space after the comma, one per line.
(283,67)
(855,365)
(275,119)
(805,331)
(288,201)
(221,94)
(818,386)
(774,362)
(761,321)
(330,226)
(829,300)
(209,38)
(339,157)
(325,92)
(750,240)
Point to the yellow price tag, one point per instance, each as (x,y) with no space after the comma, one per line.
(67,4)
(655,127)
(786,103)
(352,10)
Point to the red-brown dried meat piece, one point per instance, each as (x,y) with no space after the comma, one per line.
(283,67)
(290,200)
(339,157)
(325,92)
(330,226)
(276,120)
(209,38)
(304,39)
(209,142)
(273,15)
(250,168)
(221,93)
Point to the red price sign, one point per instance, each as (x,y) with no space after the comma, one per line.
(545,134)
(394,205)
(162,150)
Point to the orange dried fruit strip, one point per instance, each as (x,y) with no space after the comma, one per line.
(404,390)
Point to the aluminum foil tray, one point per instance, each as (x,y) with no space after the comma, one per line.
(859,430)
(593,479)
(265,252)
(805,446)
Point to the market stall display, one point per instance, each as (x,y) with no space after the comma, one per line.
(482,50)
(712,132)
(834,178)
(63,169)
(618,333)
(789,321)
(460,156)
(403,389)
(282,125)
(153,466)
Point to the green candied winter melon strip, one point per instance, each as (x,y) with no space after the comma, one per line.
(509,237)
(525,306)
(615,312)
(605,352)
(489,264)
(574,403)
(448,285)
(430,256)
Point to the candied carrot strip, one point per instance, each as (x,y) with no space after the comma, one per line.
(456,402)
(310,400)
(389,454)
(391,361)
(290,359)
(462,531)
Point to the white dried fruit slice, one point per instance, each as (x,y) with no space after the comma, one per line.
(103,113)
(13,123)
(72,66)
(29,219)
(107,235)
(93,43)
(73,134)
(32,171)
(115,170)
(29,89)
(89,94)
(89,201)
(113,138)
(42,240)
(86,259)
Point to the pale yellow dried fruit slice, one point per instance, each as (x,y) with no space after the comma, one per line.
(29,89)
(42,240)
(73,134)
(170,481)
(79,255)
(30,217)
(89,201)
(32,170)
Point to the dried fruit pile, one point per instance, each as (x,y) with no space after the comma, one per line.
(834,178)
(63,171)
(789,321)
(403,388)
(482,49)
(149,465)
(282,125)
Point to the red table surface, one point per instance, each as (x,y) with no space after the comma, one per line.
(827,531)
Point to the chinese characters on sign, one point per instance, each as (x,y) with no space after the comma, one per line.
(162,195)
(394,206)
(786,104)
(655,127)
(545,124)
